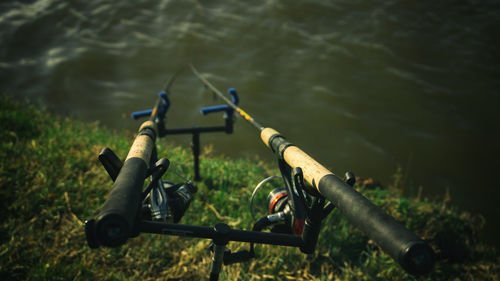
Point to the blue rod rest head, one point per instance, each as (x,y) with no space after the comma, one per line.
(163,108)
(234,95)
(163,95)
(215,108)
(139,114)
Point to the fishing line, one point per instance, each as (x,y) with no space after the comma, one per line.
(237,109)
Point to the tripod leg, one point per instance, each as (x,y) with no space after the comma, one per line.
(217,262)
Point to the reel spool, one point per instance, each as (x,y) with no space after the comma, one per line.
(283,215)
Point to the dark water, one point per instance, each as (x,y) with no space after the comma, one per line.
(367,86)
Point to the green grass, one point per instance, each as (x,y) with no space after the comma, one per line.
(51,182)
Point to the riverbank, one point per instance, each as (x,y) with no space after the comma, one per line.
(51,182)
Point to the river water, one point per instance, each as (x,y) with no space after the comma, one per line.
(366,86)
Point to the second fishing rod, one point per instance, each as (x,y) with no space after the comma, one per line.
(406,248)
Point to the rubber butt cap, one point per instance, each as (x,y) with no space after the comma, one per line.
(418,258)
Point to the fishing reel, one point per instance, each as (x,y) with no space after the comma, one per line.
(166,201)
(283,215)
(169,201)
(287,206)
(295,207)
(162,200)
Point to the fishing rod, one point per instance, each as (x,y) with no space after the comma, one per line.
(412,253)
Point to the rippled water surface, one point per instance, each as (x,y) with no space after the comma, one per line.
(367,86)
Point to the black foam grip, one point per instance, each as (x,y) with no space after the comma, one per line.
(115,221)
(411,252)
